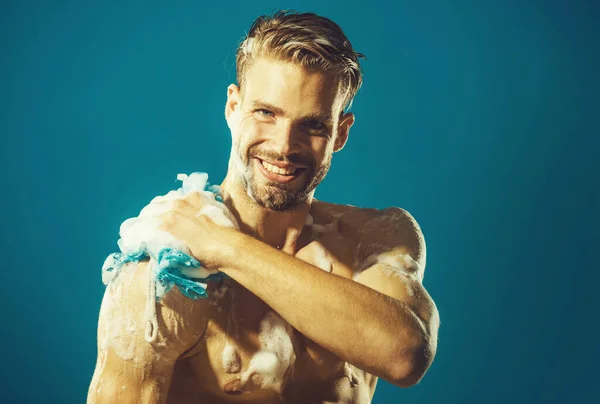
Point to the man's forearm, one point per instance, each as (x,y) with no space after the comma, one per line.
(337,313)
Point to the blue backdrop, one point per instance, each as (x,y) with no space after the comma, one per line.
(480,118)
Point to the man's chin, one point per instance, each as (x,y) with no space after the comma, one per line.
(275,199)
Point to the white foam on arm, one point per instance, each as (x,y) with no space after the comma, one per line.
(143,231)
(129,369)
(135,356)
(142,234)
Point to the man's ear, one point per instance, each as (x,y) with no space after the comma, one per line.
(346,122)
(232,105)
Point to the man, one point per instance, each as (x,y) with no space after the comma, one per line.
(320,299)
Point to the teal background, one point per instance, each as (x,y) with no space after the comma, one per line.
(480,118)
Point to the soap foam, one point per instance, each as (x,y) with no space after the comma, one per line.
(171,261)
(141,236)
(120,324)
(309,220)
(321,258)
(268,366)
(349,373)
(394,264)
(231,359)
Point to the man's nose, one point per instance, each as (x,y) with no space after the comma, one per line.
(286,139)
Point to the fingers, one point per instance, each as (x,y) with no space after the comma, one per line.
(185,205)
(193,204)
(214,214)
(169,219)
(195,198)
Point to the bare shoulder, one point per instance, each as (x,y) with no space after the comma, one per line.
(391,223)
(394,228)
(376,231)
(349,216)
(140,339)
(130,313)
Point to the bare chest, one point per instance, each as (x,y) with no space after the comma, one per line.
(249,353)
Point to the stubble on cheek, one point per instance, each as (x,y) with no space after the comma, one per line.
(283,197)
(274,196)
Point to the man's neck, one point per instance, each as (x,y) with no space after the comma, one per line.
(281,230)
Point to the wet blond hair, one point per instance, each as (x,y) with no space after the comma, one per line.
(312,41)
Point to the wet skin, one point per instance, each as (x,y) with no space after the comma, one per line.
(232,315)
(191,359)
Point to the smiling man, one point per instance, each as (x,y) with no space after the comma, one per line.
(321,299)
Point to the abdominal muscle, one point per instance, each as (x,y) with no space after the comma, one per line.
(248,353)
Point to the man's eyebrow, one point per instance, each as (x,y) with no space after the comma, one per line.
(266,105)
(321,117)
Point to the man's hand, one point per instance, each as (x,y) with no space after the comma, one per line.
(200,225)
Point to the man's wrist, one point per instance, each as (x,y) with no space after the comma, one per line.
(230,247)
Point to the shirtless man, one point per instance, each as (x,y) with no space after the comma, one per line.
(321,300)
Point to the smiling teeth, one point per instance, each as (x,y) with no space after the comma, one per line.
(278,170)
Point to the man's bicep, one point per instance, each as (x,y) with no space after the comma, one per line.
(130,365)
(392,259)
(403,286)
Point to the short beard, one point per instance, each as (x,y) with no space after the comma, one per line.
(279,197)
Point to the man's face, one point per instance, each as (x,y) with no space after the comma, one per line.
(285,127)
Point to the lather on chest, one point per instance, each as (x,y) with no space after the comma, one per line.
(247,347)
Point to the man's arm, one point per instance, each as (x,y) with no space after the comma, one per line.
(385,325)
(393,253)
(130,369)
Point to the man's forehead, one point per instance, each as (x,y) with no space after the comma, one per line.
(286,85)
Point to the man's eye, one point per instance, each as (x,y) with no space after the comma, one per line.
(315,125)
(264,112)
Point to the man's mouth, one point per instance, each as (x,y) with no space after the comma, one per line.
(279,172)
